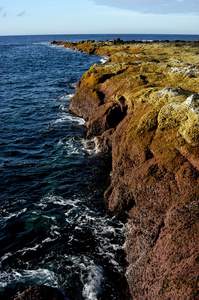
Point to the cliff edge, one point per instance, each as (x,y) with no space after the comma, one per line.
(142,106)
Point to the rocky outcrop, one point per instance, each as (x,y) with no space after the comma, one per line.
(143,106)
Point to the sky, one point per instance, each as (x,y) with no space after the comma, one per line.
(24,17)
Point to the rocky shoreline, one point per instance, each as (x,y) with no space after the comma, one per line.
(142,106)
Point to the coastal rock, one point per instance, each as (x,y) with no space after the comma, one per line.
(122,57)
(105,117)
(41,292)
(143,107)
(85,102)
(184,115)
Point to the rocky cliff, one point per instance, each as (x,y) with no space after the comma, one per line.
(142,106)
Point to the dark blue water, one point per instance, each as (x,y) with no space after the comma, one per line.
(54,228)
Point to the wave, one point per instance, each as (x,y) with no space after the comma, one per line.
(42,43)
(70,118)
(66,97)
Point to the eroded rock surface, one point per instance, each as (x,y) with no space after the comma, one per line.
(143,107)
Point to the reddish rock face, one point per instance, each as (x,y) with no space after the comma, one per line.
(175,255)
(161,188)
(145,112)
(41,292)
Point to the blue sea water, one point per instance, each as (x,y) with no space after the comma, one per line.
(54,228)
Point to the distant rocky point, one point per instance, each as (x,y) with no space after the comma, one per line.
(142,106)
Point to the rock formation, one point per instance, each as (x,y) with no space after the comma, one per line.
(41,292)
(142,106)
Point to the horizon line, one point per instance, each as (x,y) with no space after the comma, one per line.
(43,34)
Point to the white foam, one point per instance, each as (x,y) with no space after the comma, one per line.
(104,59)
(62,119)
(78,120)
(91,278)
(106,236)
(24,250)
(56,46)
(69,147)
(48,240)
(47,43)
(89,219)
(70,118)
(54,230)
(16,215)
(4,257)
(58,200)
(66,97)
(91,146)
(73,85)
(30,277)
(63,107)
(93,283)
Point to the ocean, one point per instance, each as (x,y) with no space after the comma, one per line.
(54,226)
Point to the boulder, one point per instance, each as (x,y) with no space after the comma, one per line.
(41,292)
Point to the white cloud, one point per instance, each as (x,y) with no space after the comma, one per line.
(154,6)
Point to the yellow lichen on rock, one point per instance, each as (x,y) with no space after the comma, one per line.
(185,116)
(190,128)
(126,57)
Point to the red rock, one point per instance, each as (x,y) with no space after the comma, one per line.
(41,292)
